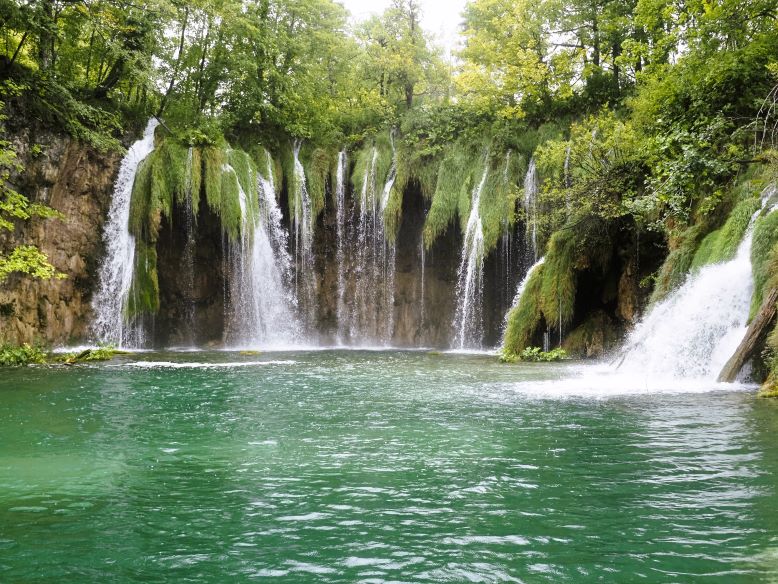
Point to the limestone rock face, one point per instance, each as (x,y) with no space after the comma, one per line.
(77,181)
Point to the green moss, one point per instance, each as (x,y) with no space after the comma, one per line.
(678,263)
(525,318)
(458,174)
(721,245)
(144,293)
(222,186)
(764,258)
(317,165)
(557,293)
(462,166)
(498,199)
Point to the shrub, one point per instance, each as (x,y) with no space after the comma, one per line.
(20,356)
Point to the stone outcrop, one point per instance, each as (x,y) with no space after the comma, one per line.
(77,181)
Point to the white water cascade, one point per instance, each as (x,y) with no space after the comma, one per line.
(694,331)
(188,264)
(371,318)
(116,272)
(531,206)
(305,278)
(261,305)
(468,320)
(520,292)
(340,256)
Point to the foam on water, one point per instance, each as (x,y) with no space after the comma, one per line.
(195,365)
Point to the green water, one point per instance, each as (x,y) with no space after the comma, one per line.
(378,467)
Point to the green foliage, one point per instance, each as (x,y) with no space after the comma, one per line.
(557,294)
(525,318)
(101,353)
(676,266)
(21,356)
(460,171)
(14,206)
(317,165)
(534,355)
(721,245)
(143,297)
(764,258)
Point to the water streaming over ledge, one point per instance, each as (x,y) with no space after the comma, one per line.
(305,278)
(370,319)
(531,207)
(115,278)
(468,320)
(341,234)
(262,307)
(696,329)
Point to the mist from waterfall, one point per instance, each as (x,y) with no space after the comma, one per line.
(110,323)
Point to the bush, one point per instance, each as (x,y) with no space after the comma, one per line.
(21,356)
(533,355)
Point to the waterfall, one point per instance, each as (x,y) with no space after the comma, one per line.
(531,206)
(520,292)
(468,321)
(371,319)
(305,277)
(695,330)
(189,255)
(340,223)
(261,305)
(423,261)
(116,272)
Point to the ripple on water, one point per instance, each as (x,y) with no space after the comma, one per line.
(380,467)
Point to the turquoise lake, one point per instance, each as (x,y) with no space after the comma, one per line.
(378,467)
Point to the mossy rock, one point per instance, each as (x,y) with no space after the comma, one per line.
(594,338)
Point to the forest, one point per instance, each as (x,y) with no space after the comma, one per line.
(648,128)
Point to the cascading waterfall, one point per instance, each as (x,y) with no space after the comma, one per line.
(423,262)
(531,206)
(189,255)
(520,292)
(305,277)
(116,272)
(694,331)
(372,311)
(468,320)
(340,223)
(261,304)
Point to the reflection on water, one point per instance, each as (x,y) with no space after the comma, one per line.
(378,467)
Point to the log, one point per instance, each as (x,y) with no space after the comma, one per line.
(754,335)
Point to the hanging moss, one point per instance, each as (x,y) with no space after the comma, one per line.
(160,179)
(222,182)
(557,293)
(764,258)
(317,165)
(144,293)
(678,262)
(525,318)
(498,200)
(461,168)
(721,245)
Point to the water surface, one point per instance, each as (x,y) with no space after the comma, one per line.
(378,467)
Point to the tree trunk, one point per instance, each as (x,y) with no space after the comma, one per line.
(754,336)
(46,36)
(173,77)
